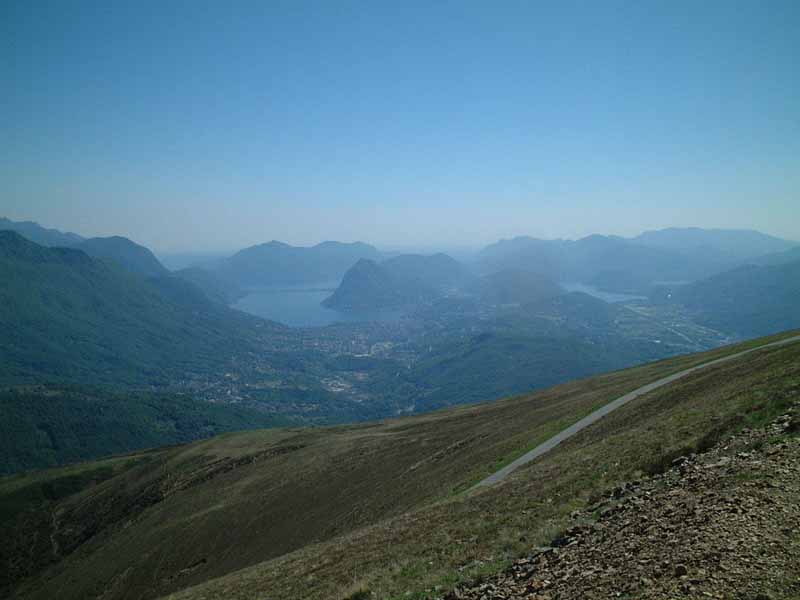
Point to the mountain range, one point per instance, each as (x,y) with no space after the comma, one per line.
(611,263)
(278,263)
(633,265)
(726,244)
(130,255)
(40,235)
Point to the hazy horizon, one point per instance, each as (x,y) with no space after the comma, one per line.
(184,257)
(208,128)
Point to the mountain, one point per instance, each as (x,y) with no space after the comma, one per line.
(438,271)
(748,301)
(295,513)
(514,286)
(616,264)
(608,262)
(543,257)
(279,263)
(726,244)
(123,251)
(69,317)
(36,233)
(367,286)
(133,257)
(398,282)
(778,258)
(211,284)
(632,265)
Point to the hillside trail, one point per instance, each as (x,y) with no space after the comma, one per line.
(601,412)
(722,524)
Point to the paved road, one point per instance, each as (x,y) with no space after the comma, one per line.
(611,406)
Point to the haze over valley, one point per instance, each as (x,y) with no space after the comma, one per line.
(344,332)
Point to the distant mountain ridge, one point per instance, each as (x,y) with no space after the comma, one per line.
(632,264)
(611,263)
(128,254)
(134,257)
(737,244)
(608,262)
(40,235)
(279,263)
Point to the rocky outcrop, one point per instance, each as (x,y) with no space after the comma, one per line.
(724,524)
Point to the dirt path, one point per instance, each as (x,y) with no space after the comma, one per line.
(612,406)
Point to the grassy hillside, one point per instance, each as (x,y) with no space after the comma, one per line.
(45,426)
(421,553)
(321,513)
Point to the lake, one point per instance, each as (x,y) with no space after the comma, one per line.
(299,306)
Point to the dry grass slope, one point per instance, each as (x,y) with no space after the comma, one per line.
(332,512)
(421,553)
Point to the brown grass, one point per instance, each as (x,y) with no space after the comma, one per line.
(332,512)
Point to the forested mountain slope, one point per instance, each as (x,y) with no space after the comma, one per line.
(69,317)
(133,257)
(748,301)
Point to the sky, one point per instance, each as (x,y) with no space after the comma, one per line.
(209,126)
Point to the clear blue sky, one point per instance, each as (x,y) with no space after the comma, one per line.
(213,125)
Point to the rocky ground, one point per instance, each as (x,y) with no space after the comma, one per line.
(724,524)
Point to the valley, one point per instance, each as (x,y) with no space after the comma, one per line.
(386,499)
(438,333)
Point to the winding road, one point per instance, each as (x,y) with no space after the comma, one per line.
(612,406)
